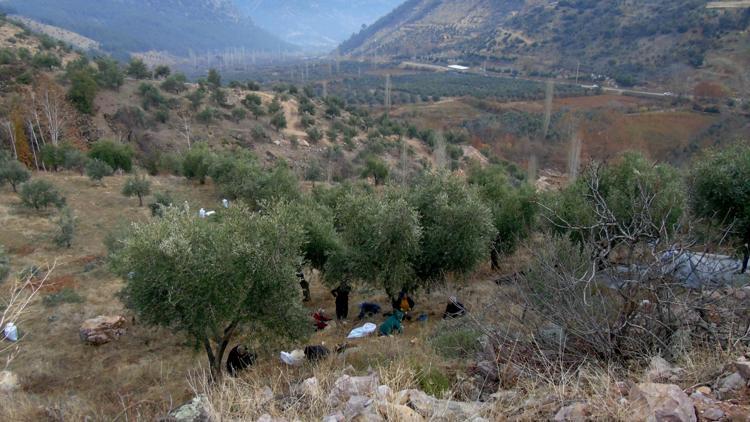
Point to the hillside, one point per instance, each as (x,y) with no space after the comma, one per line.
(628,40)
(174,26)
(319,25)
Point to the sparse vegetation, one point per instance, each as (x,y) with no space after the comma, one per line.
(97,170)
(66,226)
(13,173)
(137,185)
(40,194)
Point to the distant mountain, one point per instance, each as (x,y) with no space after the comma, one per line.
(174,26)
(631,38)
(321,24)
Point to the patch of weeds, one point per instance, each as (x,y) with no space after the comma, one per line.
(66,295)
(433,382)
(456,342)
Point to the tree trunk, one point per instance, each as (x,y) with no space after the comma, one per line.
(140,200)
(746,255)
(215,358)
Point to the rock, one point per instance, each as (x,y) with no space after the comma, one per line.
(8,382)
(661,402)
(304,143)
(713,414)
(506,395)
(398,412)
(268,418)
(440,410)
(742,365)
(731,383)
(347,386)
(575,412)
(488,370)
(196,410)
(336,417)
(263,396)
(361,409)
(311,387)
(703,390)
(102,329)
(660,370)
(384,393)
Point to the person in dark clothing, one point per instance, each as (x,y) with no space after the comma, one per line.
(239,359)
(367,309)
(304,284)
(403,302)
(455,309)
(316,353)
(341,294)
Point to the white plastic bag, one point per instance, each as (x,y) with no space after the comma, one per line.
(294,358)
(11,332)
(363,331)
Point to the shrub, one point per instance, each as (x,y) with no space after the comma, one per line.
(279,121)
(162,200)
(66,225)
(314,134)
(4,264)
(137,186)
(97,170)
(375,168)
(118,156)
(75,160)
(196,162)
(40,194)
(238,114)
(83,90)
(433,382)
(456,342)
(13,173)
(137,69)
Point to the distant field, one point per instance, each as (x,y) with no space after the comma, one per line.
(727,4)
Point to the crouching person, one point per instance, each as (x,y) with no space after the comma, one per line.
(393,323)
(239,359)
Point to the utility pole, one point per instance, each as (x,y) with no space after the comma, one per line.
(578,69)
(387,93)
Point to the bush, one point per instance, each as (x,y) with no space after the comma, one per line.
(377,169)
(40,194)
(137,186)
(13,173)
(74,160)
(66,295)
(118,156)
(196,162)
(97,170)
(456,342)
(279,121)
(66,228)
(82,92)
(162,200)
(137,69)
(433,382)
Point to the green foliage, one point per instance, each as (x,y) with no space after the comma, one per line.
(251,99)
(206,116)
(196,162)
(375,168)
(66,295)
(97,169)
(321,238)
(137,186)
(196,98)
(162,200)
(513,205)
(214,78)
(40,194)
(455,342)
(74,159)
(314,135)
(117,155)
(210,279)
(219,96)
(162,71)
(150,95)
(47,61)
(110,75)
(137,69)
(380,236)
(82,92)
(457,227)
(279,121)
(174,83)
(13,172)
(433,382)
(238,114)
(239,176)
(66,226)
(275,106)
(720,191)
(626,187)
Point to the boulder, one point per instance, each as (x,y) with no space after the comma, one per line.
(661,402)
(311,388)
(659,370)
(102,329)
(336,417)
(196,410)
(268,418)
(439,410)
(713,414)
(742,365)
(347,386)
(384,393)
(8,382)
(398,412)
(730,384)
(577,412)
(263,395)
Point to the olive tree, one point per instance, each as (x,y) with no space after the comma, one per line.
(212,278)
(380,241)
(137,186)
(13,173)
(97,169)
(66,225)
(719,185)
(457,228)
(512,203)
(40,194)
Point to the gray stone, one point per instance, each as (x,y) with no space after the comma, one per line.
(8,382)
(196,410)
(576,412)
(347,386)
(661,402)
(659,370)
(731,383)
(742,365)
(713,414)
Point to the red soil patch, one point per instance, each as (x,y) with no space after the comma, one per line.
(56,284)
(22,250)
(88,259)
